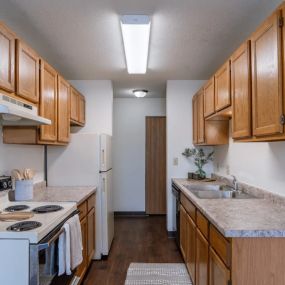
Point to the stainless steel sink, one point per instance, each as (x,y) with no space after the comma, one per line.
(217,192)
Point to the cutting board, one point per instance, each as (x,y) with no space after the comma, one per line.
(17,216)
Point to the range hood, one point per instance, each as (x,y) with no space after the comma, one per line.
(16,113)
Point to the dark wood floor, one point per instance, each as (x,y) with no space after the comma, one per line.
(136,240)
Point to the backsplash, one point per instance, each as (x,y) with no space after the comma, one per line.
(22,156)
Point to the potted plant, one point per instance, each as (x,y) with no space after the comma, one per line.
(200,159)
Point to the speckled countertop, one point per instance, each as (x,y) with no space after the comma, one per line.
(63,194)
(240,217)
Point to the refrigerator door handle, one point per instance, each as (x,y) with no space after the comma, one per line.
(103,157)
(104,185)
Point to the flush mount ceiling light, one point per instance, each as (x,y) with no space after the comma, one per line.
(139,93)
(136,32)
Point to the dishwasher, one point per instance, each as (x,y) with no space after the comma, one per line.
(176,193)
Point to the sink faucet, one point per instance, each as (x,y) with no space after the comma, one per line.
(235,183)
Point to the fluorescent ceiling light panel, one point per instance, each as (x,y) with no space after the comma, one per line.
(136,33)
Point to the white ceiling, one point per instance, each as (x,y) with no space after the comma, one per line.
(82,38)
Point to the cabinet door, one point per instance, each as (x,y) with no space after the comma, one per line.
(241,92)
(209,98)
(91,234)
(202,259)
(201,121)
(74,103)
(183,232)
(223,87)
(195,120)
(267,78)
(48,102)
(27,72)
(7,59)
(63,111)
(190,246)
(81,109)
(83,266)
(219,274)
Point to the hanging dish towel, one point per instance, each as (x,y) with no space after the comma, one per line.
(64,251)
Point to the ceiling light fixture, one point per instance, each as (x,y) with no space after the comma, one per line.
(136,33)
(140,93)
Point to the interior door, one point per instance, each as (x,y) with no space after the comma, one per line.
(156,165)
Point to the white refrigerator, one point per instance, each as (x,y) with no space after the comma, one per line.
(87,161)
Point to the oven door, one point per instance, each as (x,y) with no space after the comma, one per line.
(44,257)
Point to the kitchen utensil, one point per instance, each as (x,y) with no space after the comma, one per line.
(12,217)
(16,174)
(28,174)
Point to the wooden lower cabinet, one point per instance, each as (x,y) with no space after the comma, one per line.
(219,274)
(183,234)
(202,259)
(87,221)
(190,247)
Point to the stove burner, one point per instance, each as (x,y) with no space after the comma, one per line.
(47,209)
(24,226)
(17,208)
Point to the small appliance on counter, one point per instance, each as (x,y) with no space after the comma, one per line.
(5,183)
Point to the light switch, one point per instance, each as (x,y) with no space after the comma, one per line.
(175,161)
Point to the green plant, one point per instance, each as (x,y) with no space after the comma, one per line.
(200,159)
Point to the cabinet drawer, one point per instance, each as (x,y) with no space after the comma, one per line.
(91,202)
(189,207)
(82,210)
(202,224)
(221,245)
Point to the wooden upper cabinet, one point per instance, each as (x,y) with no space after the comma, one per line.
(223,87)
(201,121)
(241,92)
(209,98)
(194,120)
(48,102)
(267,78)
(74,101)
(27,72)
(7,59)
(81,103)
(63,109)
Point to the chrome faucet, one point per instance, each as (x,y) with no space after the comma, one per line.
(235,183)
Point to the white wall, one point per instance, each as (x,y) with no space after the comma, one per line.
(99,105)
(21,156)
(129,150)
(179,136)
(257,164)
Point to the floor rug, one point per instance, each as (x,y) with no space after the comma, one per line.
(157,274)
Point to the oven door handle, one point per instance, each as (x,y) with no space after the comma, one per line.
(45,245)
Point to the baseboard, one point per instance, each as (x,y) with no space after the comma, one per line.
(130,214)
(171,234)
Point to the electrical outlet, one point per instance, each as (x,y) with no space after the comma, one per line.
(228,169)
(175,161)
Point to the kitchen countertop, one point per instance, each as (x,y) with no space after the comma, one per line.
(63,194)
(239,217)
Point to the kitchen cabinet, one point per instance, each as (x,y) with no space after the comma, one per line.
(200,120)
(7,59)
(63,110)
(223,87)
(190,246)
(195,119)
(202,259)
(209,97)
(219,274)
(91,235)
(183,234)
(77,108)
(27,72)
(48,102)
(241,92)
(267,100)
(87,219)
(212,132)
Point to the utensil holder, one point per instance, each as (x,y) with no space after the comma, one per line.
(24,190)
